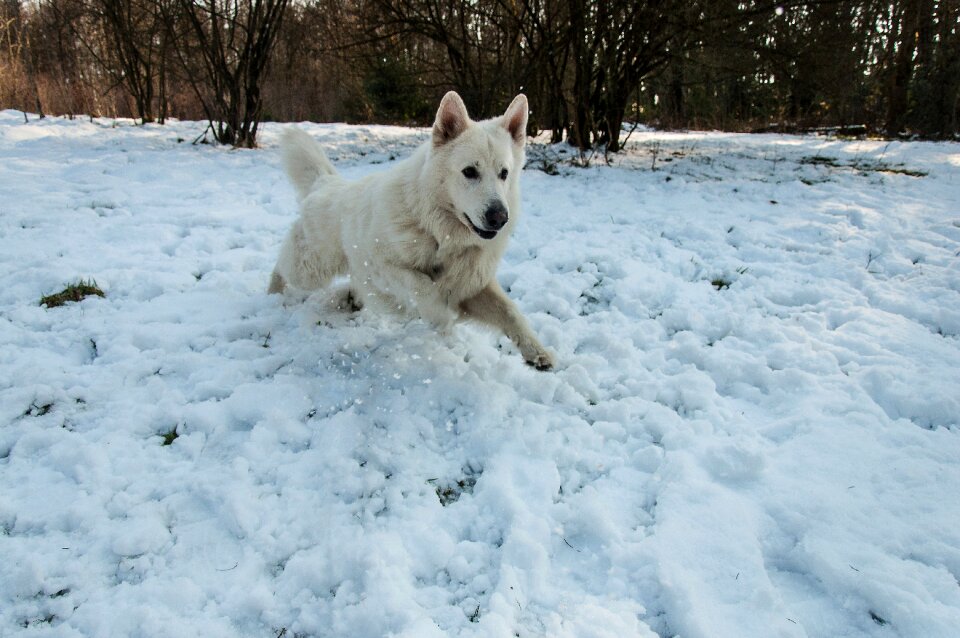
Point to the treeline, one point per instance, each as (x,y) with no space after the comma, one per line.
(588,67)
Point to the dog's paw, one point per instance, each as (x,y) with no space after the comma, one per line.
(539,359)
(440,318)
(351,302)
(344,300)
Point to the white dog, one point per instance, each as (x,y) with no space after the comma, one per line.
(427,235)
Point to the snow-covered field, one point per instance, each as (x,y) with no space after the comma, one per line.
(753,429)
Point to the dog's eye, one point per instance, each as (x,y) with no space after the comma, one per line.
(503,174)
(470,172)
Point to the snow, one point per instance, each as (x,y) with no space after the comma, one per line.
(753,428)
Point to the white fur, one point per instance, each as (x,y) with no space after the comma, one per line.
(404,236)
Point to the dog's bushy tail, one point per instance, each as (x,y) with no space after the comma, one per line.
(303,159)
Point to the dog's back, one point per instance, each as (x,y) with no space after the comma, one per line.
(304,160)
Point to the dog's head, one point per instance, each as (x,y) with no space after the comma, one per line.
(480,163)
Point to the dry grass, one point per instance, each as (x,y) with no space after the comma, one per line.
(72,292)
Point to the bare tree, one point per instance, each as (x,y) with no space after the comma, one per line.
(224,46)
(129,42)
(17,78)
(935,85)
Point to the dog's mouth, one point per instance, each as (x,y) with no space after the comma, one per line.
(486,234)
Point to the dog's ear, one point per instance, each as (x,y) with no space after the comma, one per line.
(452,119)
(515,119)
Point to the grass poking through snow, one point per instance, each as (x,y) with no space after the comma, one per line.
(73,292)
(169,436)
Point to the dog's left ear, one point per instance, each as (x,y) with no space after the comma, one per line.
(452,119)
(515,119)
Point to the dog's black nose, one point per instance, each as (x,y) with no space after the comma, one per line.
(496,216)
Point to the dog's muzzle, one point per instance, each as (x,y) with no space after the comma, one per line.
(494,218)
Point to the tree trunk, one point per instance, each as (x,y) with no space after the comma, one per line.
(897,93)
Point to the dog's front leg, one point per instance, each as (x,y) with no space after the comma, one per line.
(492,307)
(418,291)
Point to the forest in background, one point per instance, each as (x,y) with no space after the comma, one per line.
(588,67)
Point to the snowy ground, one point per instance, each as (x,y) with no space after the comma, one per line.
(753,429)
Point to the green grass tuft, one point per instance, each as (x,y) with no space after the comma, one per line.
(878,619)
(169,436)
(819,160)
(899,170)
(451,493)
(38,410)
(720,283)
(864,166)
(73,292)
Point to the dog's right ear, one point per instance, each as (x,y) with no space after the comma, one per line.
(452,119)
(515,119)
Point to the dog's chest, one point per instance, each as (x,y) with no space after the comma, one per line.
(463,273)
(460,271)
